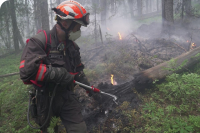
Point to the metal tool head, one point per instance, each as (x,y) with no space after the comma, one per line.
(114,97)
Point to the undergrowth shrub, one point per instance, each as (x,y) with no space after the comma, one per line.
(174,105)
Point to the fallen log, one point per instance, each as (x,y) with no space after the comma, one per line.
(158,72)
(144,79)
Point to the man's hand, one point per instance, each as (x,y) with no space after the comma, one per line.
(80,77)
(59,75)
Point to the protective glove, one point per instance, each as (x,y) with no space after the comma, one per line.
(59,75)
(80,77)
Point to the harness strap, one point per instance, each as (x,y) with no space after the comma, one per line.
(48,42)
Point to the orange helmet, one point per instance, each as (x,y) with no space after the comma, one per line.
(72,10)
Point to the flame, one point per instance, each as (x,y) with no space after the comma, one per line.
(120,37)
(112,81)
(187,41)
(108,29)
(193,44)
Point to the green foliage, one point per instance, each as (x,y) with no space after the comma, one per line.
(172,65)
(174,106)
(181,88)
(170,108)
(181,126)
(194,121)
(53,123)
(149,107)
(14,98)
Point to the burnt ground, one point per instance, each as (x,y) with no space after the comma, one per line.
(123,59)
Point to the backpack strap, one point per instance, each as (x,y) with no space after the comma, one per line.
(47,49)
(48,42)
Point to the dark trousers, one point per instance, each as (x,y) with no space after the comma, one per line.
(65,105)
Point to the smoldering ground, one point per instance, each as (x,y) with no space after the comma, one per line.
(142,46)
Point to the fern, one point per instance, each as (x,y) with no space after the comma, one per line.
(53,123)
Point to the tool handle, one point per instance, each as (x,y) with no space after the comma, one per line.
(86,86)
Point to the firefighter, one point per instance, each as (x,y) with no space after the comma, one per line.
(51,60)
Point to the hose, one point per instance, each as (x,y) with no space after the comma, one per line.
(54,91)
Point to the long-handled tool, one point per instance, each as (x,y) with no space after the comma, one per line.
(97,90)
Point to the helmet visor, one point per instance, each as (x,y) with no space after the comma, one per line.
(84,20)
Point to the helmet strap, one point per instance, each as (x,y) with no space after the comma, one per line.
(71,27)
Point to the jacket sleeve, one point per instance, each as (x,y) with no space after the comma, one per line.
(31,64)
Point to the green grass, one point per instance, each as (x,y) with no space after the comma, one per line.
(13,98)
(10,64)
(169,107)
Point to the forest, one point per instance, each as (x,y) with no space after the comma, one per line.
(145,52)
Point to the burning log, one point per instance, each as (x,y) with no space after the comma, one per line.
(158,72)
(142,80)
(145,78)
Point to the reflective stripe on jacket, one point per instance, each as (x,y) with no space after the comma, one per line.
(34,60)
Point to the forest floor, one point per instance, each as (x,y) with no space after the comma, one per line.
(171,106)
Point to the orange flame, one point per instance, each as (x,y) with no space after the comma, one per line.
(120,37)
(108,29)
(187,41)
(112,81)
(193,44)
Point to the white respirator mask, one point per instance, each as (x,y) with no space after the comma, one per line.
(74,35)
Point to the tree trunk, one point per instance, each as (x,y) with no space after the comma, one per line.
(188,6)
(130,3)
(167,15)
(20,39)
(51,25)
(8,42)
(103,13)
(95,29)
(44,14)
(7,18)
(157,4)
(37,15)
(95,6)
(147,6)
(139,7)
(112,3)
(150,6)
(182,9)
(14,25)
(27,19)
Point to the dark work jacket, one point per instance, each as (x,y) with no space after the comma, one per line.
(35,61)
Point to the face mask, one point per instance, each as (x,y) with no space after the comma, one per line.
(74,35)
